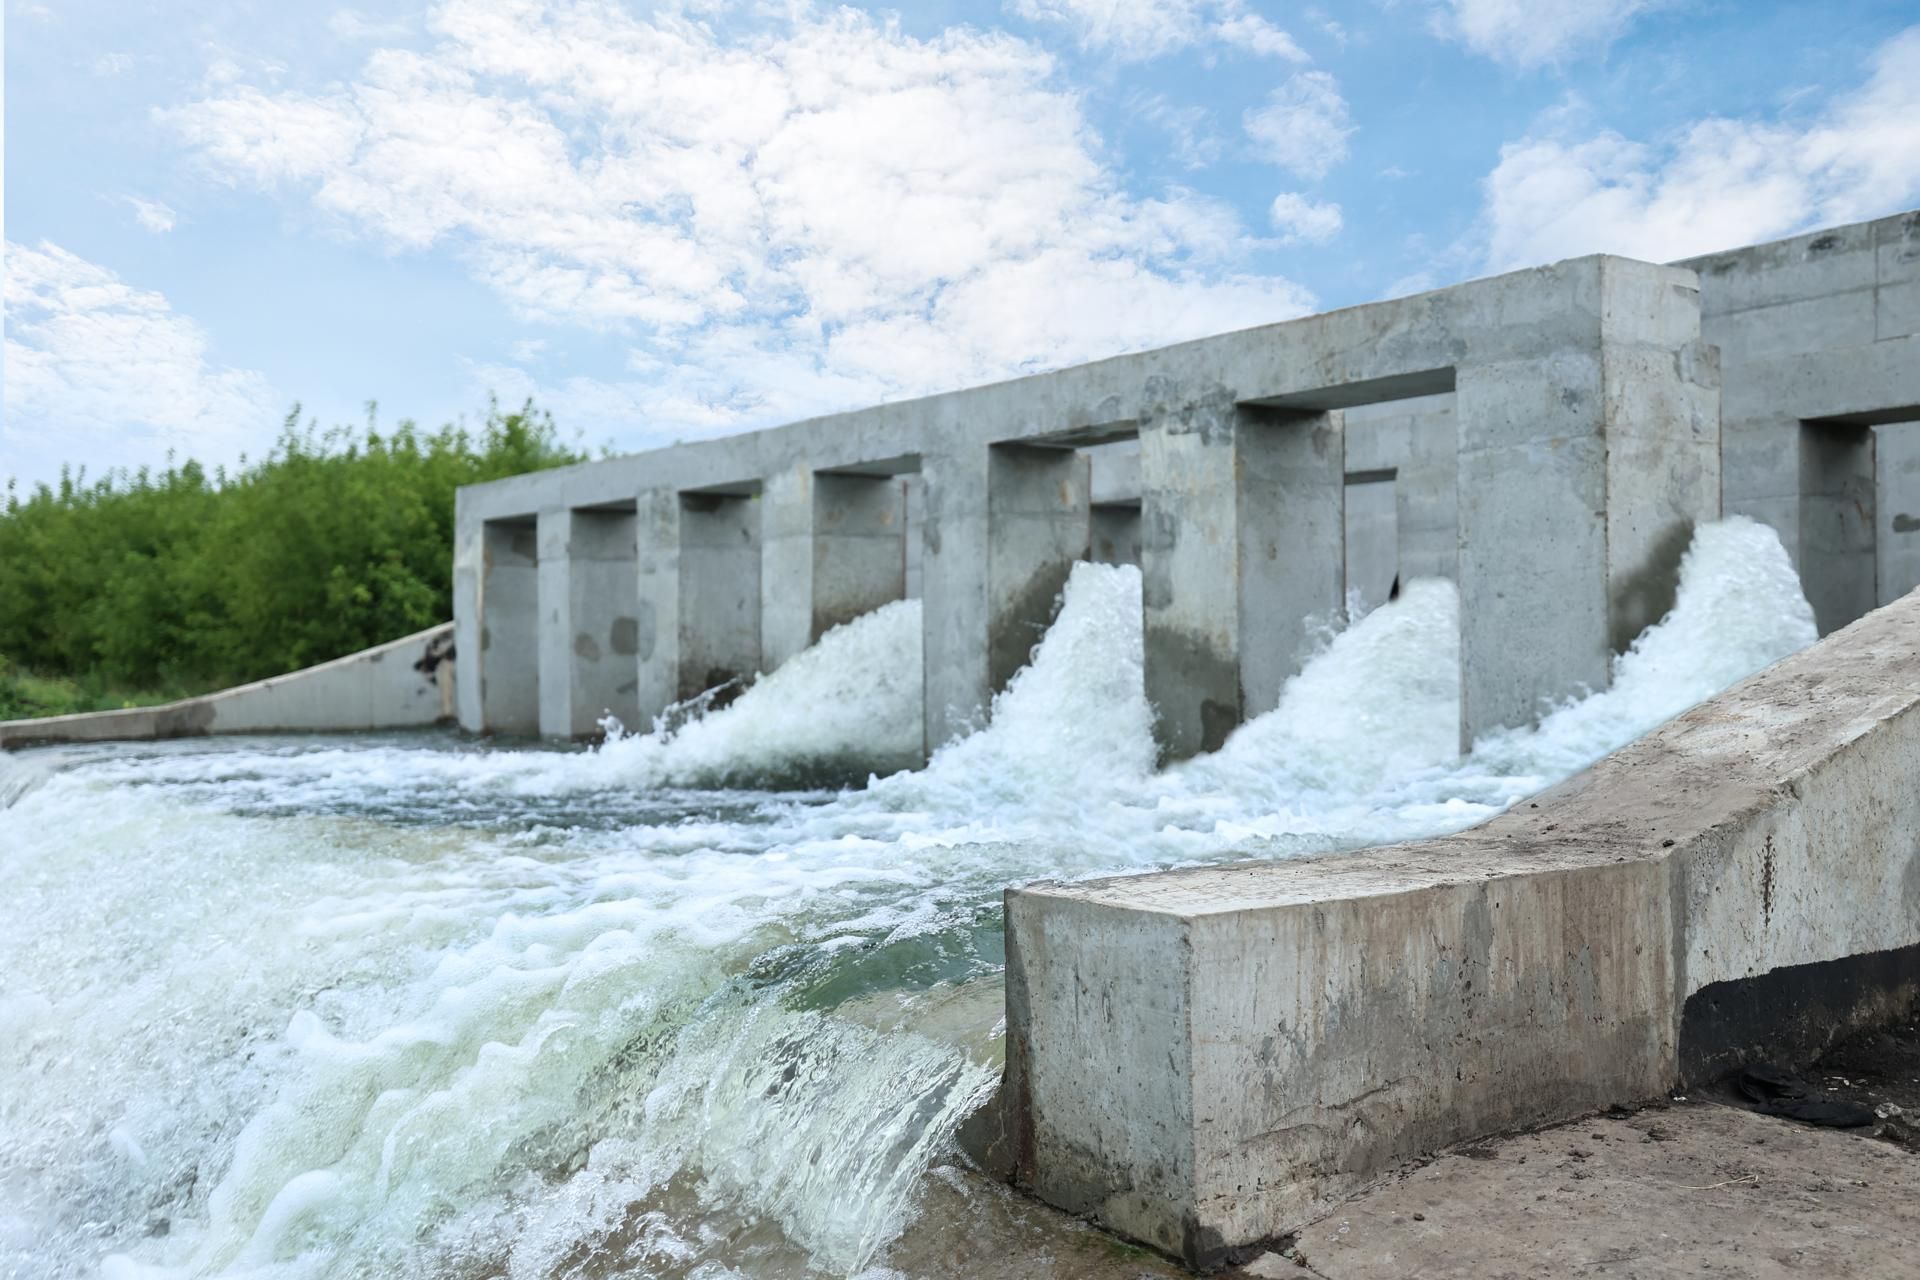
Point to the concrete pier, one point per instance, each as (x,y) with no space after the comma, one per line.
(1242,532)
(1203,1060)
(589,635)
(510,625)
(1547,438)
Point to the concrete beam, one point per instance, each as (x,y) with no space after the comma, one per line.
(509,666)
(1241,535)
(833,547)
(1206,1059)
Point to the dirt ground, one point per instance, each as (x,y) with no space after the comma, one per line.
(1693,1187)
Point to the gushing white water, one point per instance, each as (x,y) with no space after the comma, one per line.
(847,705)
(410,1007)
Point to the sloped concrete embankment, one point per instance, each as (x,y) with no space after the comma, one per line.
(404,683)
(1206,1059)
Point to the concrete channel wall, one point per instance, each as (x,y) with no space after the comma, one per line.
(406,683)
(1206,1059)
(1557,438)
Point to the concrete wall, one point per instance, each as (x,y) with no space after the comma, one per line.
(1819,338)
(1577,399)
(1207,1058)
(402,684)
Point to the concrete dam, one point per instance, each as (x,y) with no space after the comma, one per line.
(1187,788)
(1548,440)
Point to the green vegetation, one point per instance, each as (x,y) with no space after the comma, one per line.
(24,695)
(185,581)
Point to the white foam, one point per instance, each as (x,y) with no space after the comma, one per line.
(405,1006)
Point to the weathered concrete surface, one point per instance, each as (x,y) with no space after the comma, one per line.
(1688,1192)
(589,614)
(1815,332)
(1581,406)
(1896,454)
(405,683)
(720,593)
(1203,1059)
(509,610)
(1242,525)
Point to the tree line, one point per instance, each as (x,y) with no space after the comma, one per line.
(188,579)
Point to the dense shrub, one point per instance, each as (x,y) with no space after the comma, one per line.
(337,540)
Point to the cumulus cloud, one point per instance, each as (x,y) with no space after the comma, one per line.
(96,367)
(1300,220)
(1526,33)
(1139,30)
(1303,125)
(1718,183)
(825,213)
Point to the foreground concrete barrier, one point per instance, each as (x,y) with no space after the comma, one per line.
(402,684)
(1206,1059)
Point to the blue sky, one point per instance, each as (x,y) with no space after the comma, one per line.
(674,220)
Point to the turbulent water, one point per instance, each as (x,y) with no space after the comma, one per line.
(413,1006)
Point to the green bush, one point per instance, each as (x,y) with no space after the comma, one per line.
(337,540)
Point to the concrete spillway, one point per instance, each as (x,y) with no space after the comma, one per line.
(1546,439)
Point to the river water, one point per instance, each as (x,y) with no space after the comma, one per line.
(706,1004)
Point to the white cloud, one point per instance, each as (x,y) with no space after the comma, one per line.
(112,64)
(826,213)
(1303,126)
(351,24)
(1719,183)
(1191,139)
(1300,220)
(152,214)
(98,368)
(1253,33)
(1139,30)
(1529,33)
